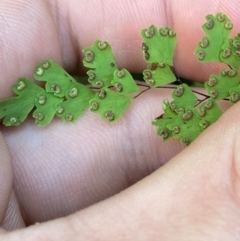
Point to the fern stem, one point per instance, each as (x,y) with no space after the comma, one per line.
(148,87)
(178,80)
(168,87)
(200,101)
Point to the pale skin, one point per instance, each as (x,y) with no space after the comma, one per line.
(53,173)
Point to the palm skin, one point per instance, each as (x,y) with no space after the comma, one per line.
(63,168)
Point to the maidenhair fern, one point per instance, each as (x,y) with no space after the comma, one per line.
(100,60)
(191,115)
(112,90)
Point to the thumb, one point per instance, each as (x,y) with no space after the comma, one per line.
(195,196)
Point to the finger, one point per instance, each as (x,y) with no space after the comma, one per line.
(13,218)
(194,196)
(24,178)
(85,162)
(6,177)
(120,23)
(69,26)
(88,161)
(28,34)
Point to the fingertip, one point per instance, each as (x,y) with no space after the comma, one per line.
(6,176)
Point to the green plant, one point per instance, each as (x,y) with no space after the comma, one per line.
(111,90)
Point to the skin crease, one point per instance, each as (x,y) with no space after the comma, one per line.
(64,168)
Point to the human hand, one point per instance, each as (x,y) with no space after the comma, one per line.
(63,168)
